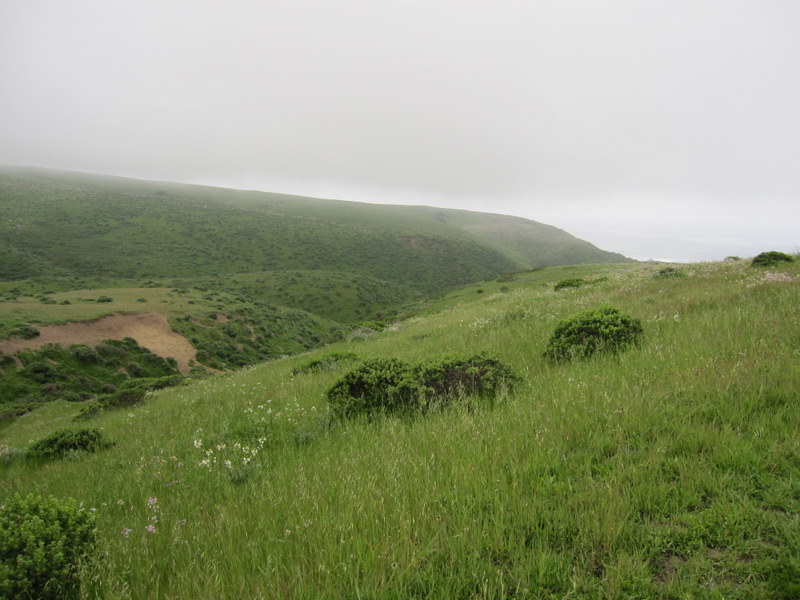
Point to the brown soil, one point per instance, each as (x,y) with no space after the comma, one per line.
(150,330)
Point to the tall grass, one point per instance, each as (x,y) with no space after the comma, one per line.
(668,471)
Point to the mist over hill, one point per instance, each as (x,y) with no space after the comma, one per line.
(66,224)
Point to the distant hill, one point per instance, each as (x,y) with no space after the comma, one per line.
(64,224)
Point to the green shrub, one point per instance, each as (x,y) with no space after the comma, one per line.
(152,383)
(574,282)
(25,331)
(104,299)
(771,259)
(41,372)
(43,544)
(389,385)
(670,272)
(601,329)
(378,385)
(85,354)
(442,380)
(327,361)
(66,441)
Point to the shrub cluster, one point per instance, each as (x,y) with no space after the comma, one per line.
(601,329)
(66,441)
(670,272)
(771,259)
(574,282)
(327,361)
(25,331)
(390,385)
(43,543)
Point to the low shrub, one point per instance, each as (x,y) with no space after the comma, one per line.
(41,372)
(670,272)
(152,383)
(378,385)
(601,329)
(574,282)
(394,386)
(66,441)
(324,362)
(43,544)
(25,331)
(85,354)
(771,259)
(442,380)
(104,299)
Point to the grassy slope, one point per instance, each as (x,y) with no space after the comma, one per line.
(67,224)
(669,471)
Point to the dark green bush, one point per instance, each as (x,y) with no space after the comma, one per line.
(327,361)
(152,383)
(442,380)
(105,299)
(134,369)
(43,544)
(40,372)
(378,385)
(85,354)
(601,329)
(771,259)
(394,386)
(25,331)
(65,441)
(670,272)
(574,282)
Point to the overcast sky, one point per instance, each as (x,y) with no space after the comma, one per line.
(665,129)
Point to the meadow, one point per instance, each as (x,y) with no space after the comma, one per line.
(670,470)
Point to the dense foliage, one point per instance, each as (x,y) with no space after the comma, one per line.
(75,373)
(63,442)
(43,543)
(390,385)
(771,259)
(573,282)
(601,329)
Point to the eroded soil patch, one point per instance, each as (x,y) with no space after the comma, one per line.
(150,330)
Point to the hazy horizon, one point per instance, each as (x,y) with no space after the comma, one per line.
(664,130)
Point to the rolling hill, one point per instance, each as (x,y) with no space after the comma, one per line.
(666,470)
(241,276)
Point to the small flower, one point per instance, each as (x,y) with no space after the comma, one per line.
(151,528)
(126,532)
(151,502)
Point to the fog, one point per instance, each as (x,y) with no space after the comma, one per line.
(659,129)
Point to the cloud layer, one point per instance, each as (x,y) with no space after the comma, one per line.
(555,110)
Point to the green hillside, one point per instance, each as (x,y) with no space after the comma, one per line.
(242,276)
(57,224)
(669,469)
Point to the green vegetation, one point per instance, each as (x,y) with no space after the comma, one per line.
(44,543)
(601,329)
(66,442)
(666,471)
(392,386)
(670,272)
(253,332)
(324,362)
(75,374)
(771,259)
(572,282)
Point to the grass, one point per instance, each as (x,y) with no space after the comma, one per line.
(667,471)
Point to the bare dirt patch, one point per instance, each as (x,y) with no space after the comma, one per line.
(150,330)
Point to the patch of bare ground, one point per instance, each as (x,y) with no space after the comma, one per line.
(150,330)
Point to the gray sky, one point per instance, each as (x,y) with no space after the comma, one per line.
(662,129)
